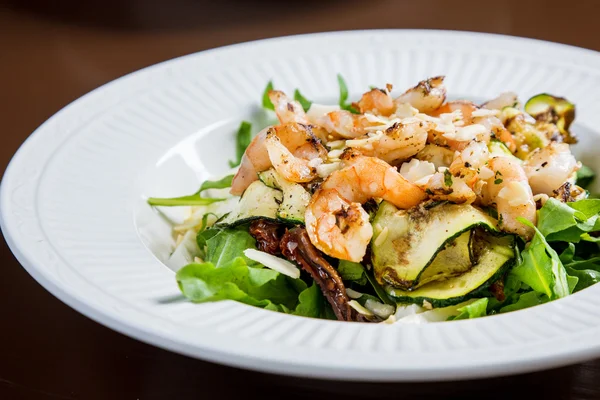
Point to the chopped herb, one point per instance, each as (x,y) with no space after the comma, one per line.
(498,181)
(447,178)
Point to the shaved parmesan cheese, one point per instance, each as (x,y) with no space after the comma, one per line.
(360,309)
(379,309)
(405,110)
(483,112)
(336,144)
(275,263)
(335,154)
(315,162)
(324,170)
(417,170)
(353,294)
(381,237)
(466,133)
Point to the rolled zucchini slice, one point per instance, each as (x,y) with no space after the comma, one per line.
(294,199)
(558,110)
(406,242)
(495,255)
(258,201)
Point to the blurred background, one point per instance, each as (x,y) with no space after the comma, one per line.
(52,52)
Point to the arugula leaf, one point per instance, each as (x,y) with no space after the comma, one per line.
(243,137)
(526,300)
(381,293)
(225,245)
(194,199)
(476,309)
(555,217)
(222,183)
(569,222)
(512,285)
(302,100)
(351,271)
(585,277)
(585,176)
(541,267)
(357,273)
(266,101)
(259,287)
(588,207)
(344,95)
(310,302)
(205,233)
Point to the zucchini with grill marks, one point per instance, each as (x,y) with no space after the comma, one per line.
(495,255)
(294,199)
(258,201)
(557,110)
(405,242)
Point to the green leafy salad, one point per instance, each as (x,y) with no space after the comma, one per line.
(397,208)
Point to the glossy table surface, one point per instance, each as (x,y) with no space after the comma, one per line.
(51,54)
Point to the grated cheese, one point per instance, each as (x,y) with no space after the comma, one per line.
(360,309)
(275,263)
(382,236)
(353,294)
(484,112)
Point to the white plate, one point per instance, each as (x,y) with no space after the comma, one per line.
(73,214)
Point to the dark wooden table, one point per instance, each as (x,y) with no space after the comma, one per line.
(50,54)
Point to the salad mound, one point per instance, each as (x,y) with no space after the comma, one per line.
(395,208)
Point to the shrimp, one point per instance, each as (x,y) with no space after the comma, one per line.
(427,96)
(496,127)
(377,101)
(335,220)
(442,138)
(469,166)
(506,99)
(344,124)
(294,169)
(287,147)
(549,168)
(397,143)
(287,110)
(509,190)
(465,107)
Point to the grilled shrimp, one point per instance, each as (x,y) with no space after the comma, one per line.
(427,96)
(506,99)
(344,124)
(549,168)
(287,110)
(509,190)
(377,101)
(397,143)
(288,148)
(335,220)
